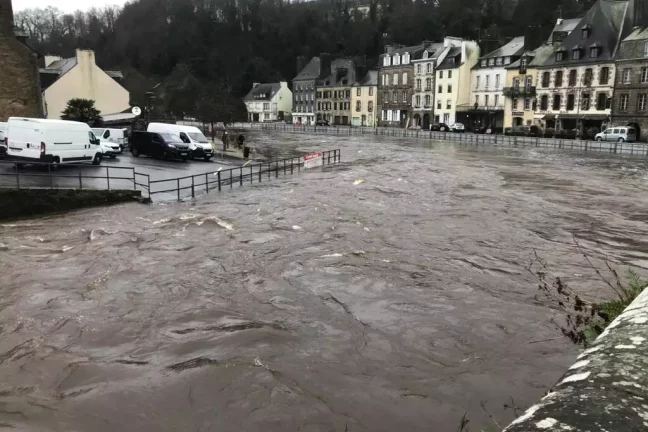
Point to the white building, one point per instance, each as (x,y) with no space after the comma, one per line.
(268,102)
(488,82)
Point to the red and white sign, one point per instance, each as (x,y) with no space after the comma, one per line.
(312,160)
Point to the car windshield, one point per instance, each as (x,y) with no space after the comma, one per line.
(197,136)
(171,138)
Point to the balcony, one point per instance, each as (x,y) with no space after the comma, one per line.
(519,92)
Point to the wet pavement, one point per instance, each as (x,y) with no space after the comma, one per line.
(390,292)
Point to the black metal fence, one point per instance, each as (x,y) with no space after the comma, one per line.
(198,184)
(50,176)
(634,149)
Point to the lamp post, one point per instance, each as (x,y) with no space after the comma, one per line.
(150,97)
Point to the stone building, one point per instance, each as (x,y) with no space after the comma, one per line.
(630,103)
(334,92)
(364,98)
(304,87)
(424,69)
(19,81)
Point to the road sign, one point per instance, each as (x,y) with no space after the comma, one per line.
(136,110)
(312,160)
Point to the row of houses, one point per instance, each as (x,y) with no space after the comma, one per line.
(591,72)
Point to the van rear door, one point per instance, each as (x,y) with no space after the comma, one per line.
(24,138)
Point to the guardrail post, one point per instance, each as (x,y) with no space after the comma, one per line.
(193,191)
(299,164)
(80,181)
(251,174)
(241,176)
(284,166)
(276,169)
(207,182)
(269,170)
(231,178)
(260,166)
(178,184)
(107,177)
(329,157)
(219,181)
(291,164)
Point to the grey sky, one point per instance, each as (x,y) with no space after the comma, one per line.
(66,5)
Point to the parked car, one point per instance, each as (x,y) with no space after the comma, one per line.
(54,141)
(439,127)
(322,122)
(618,134)
(110,149)
(524,130)
(458,127)
(162,145)
(200,147)
(117,136)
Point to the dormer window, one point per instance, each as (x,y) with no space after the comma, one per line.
(406,58)
(560,56)
(507,60)
(387,61)
(483,63)
(491,62)
(396,60)
(499,61)
(523,63)
(595,50)
(576,52)
(425,54)
(586,31)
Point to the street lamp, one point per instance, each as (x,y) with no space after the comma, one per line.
(150,97)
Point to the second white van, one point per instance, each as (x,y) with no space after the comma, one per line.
(53,141)
(117,136)
(200,147)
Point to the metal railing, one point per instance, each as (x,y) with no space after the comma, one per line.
(50,176)
(633,149)
(198,184)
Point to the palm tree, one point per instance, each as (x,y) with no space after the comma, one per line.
(82,110)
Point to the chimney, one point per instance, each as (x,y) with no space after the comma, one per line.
(389,49)
(85,59)
(6,18)
(325,65)
(302,61)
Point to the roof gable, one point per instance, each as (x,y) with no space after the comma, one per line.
(311,70)
(263,92)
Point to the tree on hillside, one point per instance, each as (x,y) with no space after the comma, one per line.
(82,110)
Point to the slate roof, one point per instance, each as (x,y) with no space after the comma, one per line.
(567,25)
(311,71)
(640,33)
(263,92)
(371,79)
(415,51)
(609,21)
(447,63)
(60,67)
(513,48)
(115,74)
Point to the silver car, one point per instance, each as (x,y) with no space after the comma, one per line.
(617,134)
(458,127)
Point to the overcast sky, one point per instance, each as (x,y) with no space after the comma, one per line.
(66,5)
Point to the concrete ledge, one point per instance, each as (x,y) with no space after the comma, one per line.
(16,203)
(606,389)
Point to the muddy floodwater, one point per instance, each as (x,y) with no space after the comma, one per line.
(388,293)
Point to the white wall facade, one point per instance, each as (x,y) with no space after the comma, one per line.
(488,87)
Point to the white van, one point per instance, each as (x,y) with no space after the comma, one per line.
(117,136)
(198,144)
(54,141)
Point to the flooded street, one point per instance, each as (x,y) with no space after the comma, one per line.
(390,292)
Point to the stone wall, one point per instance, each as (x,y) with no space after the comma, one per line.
(606,389)
(19,83)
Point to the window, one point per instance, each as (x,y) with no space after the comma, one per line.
(389,115)
(395,97)
(449,88)
(370,106)
(487,80)
(483,63)
(486,100)
(358,91)
(439,104)
(585,101)
(641,102)
(572,78)
(440,74)
(386,60)
(544,102)
(418,68)
(523,63)
(556,103)
(319,106)
(370,91)
(496,100)
(348,94)
(558,79)
(404,96)
(427,100)
(601,101)
(499,61)
(449,74)
(626,76)
(358,106)
(396,60)
(448,104)
(644,75)
(645,49)
(491,62)
(417,101)
(428,84)
(406,58)
(623,103)
(386,97)
(477,100)
(418,84)
(576,54)
(528,82)
(559,56)
(319,95)
(587,78)
(429,68)
(527,104)
(477,82)
(585,32)
(425,54)
(545,79)
(395,79)
(514,105)
(335,106)
(497,81)
(570,102)
(266,106)
(440,90)
(404,78)
(594,52)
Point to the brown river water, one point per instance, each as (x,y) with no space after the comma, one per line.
(314,302)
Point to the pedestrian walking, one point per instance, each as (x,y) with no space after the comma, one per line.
(225,139)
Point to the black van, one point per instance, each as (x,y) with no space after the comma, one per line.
(162,145)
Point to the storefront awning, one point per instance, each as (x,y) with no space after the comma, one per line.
(549,117)
(583,116)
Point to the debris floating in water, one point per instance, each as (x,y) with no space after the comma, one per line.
(3,247)
(335,255)
(296,227)
(357,182)
(358,253)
